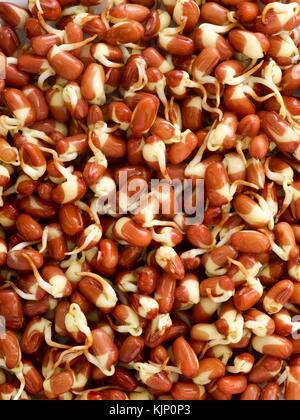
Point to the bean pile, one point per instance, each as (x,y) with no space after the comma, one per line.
(134,302)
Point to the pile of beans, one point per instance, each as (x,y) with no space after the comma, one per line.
(142,304)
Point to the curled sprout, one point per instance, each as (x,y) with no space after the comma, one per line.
(23,295)
(269,74)
(237,80)
(222,295)
(251,280)
(108,296)
(59,282)
(18,371)
(235,322)
(148,370)
(90,211)
(156,152)
(240,365)
(290,10)
(9,124)
(100,54)
(46,72)
(37,4)
(131,326)
(93,234)
(142,76)
(75,318)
